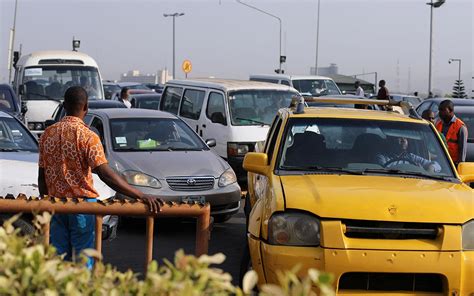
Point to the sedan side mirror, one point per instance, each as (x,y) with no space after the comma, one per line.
(466,172)
(211,142)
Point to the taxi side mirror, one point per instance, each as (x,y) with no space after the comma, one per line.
(256,163)
(466,171)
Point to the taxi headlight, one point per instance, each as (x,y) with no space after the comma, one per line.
(140,179)
(468,236)
(228,177)
(294,229)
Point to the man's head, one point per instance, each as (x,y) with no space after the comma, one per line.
(76,102)
(124,93)
(357,84)
(403,142)
(446,110)
(428,115)
(84,81)
(381,83)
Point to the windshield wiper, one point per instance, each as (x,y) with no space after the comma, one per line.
(9,150)
(251,120)
(322,169)
(184,149)
(45,96)
(407,173)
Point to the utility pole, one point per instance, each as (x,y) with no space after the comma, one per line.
(432,5)
(12,44)
(174,16)
(317,40)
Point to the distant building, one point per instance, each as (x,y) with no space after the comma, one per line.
(135,76)
(164,76)
(325,71)
(346,84)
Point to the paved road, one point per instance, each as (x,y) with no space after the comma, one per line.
(128,249)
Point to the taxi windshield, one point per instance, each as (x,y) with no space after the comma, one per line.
(355,146)
(257,107)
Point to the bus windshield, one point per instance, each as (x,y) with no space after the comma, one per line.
(51,82)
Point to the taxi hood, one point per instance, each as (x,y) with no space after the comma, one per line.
(381,198)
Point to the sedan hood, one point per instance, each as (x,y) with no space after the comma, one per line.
(162,164)
(380,198)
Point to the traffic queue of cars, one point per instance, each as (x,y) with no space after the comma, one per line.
(369,196)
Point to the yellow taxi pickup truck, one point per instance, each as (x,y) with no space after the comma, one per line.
(371,197)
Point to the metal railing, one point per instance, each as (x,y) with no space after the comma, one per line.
(53,205)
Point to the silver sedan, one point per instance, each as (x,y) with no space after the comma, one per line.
(160,154)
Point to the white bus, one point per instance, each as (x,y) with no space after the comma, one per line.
(41,79)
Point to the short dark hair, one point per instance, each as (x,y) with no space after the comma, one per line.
(75,98)
(382,81)
(357,82)
(426,113)
(446,104)
(123,91)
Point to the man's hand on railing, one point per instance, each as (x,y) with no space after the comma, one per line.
(154,202)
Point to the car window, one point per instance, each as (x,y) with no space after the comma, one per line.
(285,82)
(216,108)
(98,127)
(270,147)
(170,99)
(146,102)
(321,143)
(265,80)
(468,119)
(156,134)
(14,137)
(6,100)
(422,107)
(191,105)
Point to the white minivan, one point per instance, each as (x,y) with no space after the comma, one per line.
(311,85)
(42,78)
(236,113)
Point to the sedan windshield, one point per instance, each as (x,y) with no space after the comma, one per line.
(51,82)
(153,134)
(257,107)
(14,137)
(316,87)
(354,146)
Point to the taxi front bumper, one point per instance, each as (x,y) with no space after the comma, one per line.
(453,269)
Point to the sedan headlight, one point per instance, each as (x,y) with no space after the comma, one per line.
(141,179)
(228,177)
(468,236)
(294,229)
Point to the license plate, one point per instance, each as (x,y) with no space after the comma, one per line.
(190,199)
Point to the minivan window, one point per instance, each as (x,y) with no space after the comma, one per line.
(6,100)
(257,106)
(316,87)
(170,99)
(216,108)
(192,103)
(285,82)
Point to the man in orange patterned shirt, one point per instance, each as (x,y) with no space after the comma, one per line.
(68,153)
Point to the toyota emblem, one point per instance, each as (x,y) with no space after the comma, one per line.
(191,181)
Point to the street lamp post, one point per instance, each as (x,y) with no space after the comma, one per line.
(317,41)
(432,5)
(280,60)
(459,61)
(174,15)
(12,44)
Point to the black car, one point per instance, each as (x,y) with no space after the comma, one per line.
(10,103)
(464,109)
(59,113)
(111,90)
(146,101)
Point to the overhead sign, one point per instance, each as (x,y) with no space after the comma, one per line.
(187,66)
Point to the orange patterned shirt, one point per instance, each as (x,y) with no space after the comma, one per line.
(68,152)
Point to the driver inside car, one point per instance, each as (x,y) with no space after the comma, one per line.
(402,156)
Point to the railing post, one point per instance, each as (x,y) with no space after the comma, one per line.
(202,231)
(150,223)
(98,233)
(46,230)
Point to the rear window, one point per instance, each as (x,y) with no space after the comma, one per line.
(6,100)
(170,99)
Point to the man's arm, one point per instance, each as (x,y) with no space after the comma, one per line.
(117,183)
(43,189)
(462,143)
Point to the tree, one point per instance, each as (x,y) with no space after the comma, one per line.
(458,90)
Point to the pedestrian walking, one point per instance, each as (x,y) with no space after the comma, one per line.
(125,97)
(454,130)
(68,154)
(359,90)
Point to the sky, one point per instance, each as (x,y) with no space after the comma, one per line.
(223,38)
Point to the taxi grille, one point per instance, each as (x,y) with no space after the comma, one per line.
(409,282)
(190,183)
(390,230)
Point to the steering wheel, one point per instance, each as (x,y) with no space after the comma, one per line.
(388,163)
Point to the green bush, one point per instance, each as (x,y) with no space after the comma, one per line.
(27,267)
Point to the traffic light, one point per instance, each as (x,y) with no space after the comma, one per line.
(282,59)
(279,72)
(16,57)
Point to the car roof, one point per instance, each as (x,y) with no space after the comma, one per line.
(97,104)
(347,113)
(229,84)
(132,113)
(146,95)
(124,84)
(5,114)
(464,109)
(456,101)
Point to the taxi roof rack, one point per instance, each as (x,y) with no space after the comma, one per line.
(299,102)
